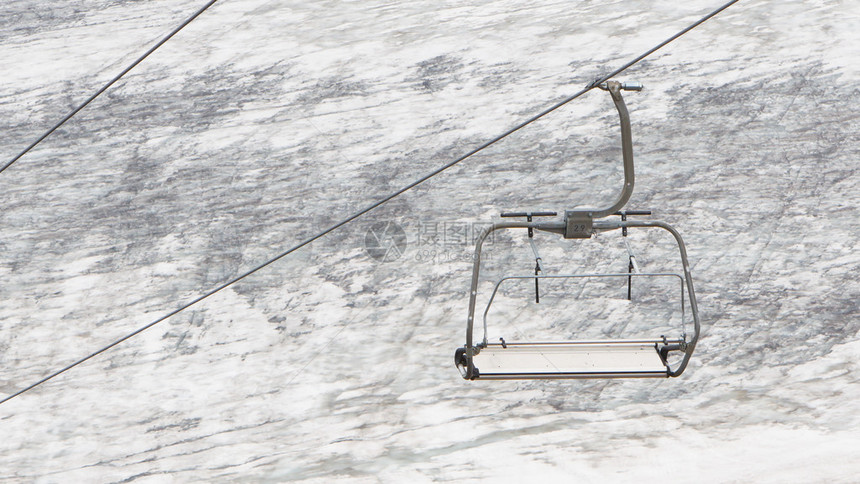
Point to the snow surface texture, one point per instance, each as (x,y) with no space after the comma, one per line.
(266,120)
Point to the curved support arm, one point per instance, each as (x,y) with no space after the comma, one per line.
(614,89)
(689,347)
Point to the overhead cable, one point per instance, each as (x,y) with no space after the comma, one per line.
(107,86)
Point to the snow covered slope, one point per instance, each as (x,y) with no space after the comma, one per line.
(266,120)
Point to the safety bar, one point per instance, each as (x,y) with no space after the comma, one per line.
(579,276)
(558,227)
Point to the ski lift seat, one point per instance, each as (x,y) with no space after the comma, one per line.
(580,359)
(570,359)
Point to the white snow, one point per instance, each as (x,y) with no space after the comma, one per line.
(265,121)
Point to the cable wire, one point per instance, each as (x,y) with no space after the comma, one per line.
(372,206)
(108,85)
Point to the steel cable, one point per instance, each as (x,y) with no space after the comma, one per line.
(107,86)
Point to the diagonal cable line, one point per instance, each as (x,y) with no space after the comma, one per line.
(374,205)
(108,85)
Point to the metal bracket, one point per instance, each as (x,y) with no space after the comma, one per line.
(578,224)
(631,263)
(528,216)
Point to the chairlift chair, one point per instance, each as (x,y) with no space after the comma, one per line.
(622,358)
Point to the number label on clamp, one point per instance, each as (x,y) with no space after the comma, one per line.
(578,225)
